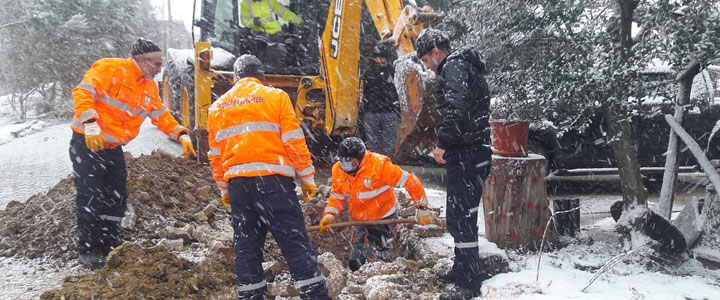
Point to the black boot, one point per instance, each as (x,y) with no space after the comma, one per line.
(458,293)
(446,276)
(92,260)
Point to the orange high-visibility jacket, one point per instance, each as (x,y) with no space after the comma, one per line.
(253,131)
(370,195)
(115,94)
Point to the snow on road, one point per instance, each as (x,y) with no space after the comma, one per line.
(27,278)
(33,164)
(36,162)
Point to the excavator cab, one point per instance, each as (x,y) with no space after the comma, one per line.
(316,61)
(292,50)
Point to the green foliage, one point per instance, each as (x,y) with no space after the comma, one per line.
(58,40)
(561,59)
(683,31)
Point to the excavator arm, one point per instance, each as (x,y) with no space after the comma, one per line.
(340,57)
(340,65)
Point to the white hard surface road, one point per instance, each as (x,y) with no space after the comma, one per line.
(36,162)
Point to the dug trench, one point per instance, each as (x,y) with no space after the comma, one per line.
(178,243)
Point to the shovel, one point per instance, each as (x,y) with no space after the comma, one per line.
(364,223)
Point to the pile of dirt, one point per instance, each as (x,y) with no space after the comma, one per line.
(409,275)
(172,208)
(134,272)
(165,193)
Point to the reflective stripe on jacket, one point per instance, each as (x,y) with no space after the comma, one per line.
(115,94)
(253,131)
(370,195)
(267,11)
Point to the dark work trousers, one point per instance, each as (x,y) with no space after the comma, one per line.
(466,173)
(381,129)
(100,203)
(371,243)
(269,203)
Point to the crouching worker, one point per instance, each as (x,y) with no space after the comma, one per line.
(364,181)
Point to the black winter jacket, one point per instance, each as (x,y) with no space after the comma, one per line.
(379,93)
(463,101)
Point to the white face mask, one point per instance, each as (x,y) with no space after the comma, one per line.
(347,166)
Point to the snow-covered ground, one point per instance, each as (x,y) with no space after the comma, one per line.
(564,273)
(28,278)
(35,162)
(32,164)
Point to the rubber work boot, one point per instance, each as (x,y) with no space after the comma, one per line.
(447,276)
(92,260)
(458,293)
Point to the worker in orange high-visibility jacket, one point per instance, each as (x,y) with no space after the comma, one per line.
(257,147)
(111,102)
(364,182)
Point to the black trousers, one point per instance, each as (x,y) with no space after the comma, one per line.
(269,203)
(466,173)
(101,200)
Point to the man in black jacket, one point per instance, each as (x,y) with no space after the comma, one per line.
(381,111)
(463,130)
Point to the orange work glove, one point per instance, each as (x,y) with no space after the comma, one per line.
(423,216)
(93,137)
(187,146)
(225,198)
(308,188)
(326,220)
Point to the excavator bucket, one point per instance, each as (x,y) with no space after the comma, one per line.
(415,137)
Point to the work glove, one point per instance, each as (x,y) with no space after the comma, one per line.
(423,215)
(93,137)
(187,146)
(225,198)
(308,188)
(325,222)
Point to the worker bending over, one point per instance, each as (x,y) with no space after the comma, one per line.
(111,102)
(364,181)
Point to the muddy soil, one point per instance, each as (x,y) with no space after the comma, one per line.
(164,191)
(134,272)
(173,211)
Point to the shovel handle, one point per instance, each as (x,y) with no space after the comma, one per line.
(365,223)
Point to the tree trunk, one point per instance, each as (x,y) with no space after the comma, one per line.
(53,95)
(627,7)
(626,159)
(618,127)
(515,202)
(705,250)
(667,193)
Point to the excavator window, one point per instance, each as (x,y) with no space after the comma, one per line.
(219,23)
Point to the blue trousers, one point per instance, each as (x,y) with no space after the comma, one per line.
(269,203)
(101,199)
(466,173)
(381,129)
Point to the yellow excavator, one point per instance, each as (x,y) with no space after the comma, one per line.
(323,81)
